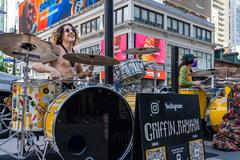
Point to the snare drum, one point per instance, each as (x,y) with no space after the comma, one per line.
(130,70)
(202,98)
(94,122)
(40,93)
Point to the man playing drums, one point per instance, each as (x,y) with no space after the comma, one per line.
(185,69)
(65,38)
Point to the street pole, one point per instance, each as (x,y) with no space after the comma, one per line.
(174,68)
(108,38)
(14,62)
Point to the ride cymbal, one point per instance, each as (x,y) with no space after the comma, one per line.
(140,51)
(91,59)
(218,71)
(18,45)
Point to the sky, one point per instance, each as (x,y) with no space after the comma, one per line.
(12,12)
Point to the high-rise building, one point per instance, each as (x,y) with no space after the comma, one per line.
(2,15)
(235,25)
(220,17)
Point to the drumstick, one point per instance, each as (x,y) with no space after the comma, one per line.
(206,79)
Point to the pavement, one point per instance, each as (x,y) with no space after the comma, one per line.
(211,153)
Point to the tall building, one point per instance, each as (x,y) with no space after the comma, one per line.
(220,18)
(235,25)
(139,23)
(2,16)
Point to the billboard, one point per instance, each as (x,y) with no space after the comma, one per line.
(147,41)
(202,7)
(119,45)
(36,15)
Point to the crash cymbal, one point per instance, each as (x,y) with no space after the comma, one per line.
(17,46)
(203,73)
(91,59)
(218,71)
(140,51)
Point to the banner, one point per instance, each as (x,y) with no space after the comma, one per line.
(36,15)
(161,74)
(119,45)
(145,41)
(167,127)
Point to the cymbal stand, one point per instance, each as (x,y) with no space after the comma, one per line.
(22,133)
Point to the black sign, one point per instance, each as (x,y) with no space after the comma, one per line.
(167,127)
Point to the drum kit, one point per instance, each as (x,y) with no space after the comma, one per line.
(212,110)
(90,122)
(131,71)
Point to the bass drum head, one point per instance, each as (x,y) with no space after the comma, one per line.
(94,123)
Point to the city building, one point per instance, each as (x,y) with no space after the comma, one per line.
(235,25)
(220,17)
(139,23)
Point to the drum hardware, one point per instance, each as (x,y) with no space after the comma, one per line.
(218,72)
(141,51)
(23,45)
(86,121)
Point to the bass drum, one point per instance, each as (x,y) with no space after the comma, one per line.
(218,107)
(91,123)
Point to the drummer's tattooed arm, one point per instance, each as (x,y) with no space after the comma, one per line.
(82,74)
(43,68)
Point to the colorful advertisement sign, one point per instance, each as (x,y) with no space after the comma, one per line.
(161,75)
(145,41)
(119,45)
(36,15)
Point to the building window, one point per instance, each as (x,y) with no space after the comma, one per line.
(148,17)
(125,14)
(91,49)
(120,15)
(204,60)
(187,29)
(159,20)
(178,26)
(144,15)
(90,26)
(83,29)
(202,34)
(137,13)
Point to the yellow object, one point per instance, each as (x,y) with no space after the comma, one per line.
(54,107)
(131,99)
(201,97)
(39,95)
(217,109)
(227,91)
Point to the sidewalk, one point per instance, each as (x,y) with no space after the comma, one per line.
(211,153)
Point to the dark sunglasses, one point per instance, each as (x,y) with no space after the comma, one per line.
(69,29)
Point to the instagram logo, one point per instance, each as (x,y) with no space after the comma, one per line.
(154,108)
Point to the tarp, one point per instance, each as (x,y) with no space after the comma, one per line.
(6,81)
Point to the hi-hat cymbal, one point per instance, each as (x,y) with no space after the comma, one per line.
(140,51)
(17,46)
(91,59)
(218,71)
